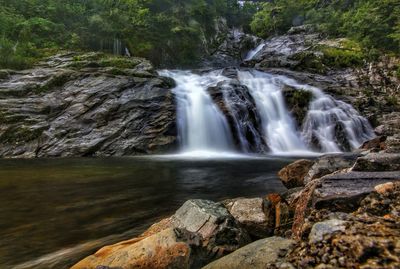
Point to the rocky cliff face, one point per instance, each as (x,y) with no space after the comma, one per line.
(86,105)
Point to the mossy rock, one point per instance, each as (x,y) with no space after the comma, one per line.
(4,74)
(309,60)
(297,101)
(20,134)
(55,82)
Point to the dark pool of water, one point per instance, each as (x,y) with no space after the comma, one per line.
(54,212)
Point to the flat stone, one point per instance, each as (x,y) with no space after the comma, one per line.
(259,254)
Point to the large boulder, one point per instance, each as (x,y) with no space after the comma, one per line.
(259,254)
(170,248)
(220,232)
(86,105)
(292,175)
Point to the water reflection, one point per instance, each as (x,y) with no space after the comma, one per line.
(54,212)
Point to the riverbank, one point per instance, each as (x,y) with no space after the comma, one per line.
(341,211)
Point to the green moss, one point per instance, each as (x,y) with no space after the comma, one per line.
(55,82)
(309,61)
(392,101)
(398,72)
(119,62)
(20,134)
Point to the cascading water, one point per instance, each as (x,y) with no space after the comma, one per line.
(202,126)
(254,52)
(325,116)
(250,97)
(279,128)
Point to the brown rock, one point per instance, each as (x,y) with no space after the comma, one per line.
(384,188)
(376,144)
(375,162)
(171,248)
(292,176)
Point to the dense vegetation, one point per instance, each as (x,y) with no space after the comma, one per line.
(162,30)
(177,32)
(375,24)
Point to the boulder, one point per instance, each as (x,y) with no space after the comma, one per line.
(292,175)
(263,253)
(328,164)
(170,248)
(251,216)
(220,232)
(375,162)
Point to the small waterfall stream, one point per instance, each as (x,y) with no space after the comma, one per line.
(219,114)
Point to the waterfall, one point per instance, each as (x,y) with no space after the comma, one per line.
(254,52)
(325,116)
(279,128)
(202,126)
(247,111)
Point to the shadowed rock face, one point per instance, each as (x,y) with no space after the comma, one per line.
(64,108)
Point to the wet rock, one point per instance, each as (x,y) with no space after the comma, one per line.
(259,254)
(326,228)
(220,232)
(250,214)
(237,104)
(297,102)
(374,162)
(292,175)
(328,164)
(170,248)
(60,109)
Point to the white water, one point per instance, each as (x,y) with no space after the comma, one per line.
(203,129)
(254,52)
(279,128)
(324,114)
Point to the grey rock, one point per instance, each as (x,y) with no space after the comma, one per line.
(326,228)
(328,164)
(219,230)
(55,110)
(259,254)
(344,191)
(375,162)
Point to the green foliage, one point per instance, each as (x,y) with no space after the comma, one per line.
(162,30)
(339,57)
(373,23)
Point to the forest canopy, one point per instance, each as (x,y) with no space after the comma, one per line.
(176,30)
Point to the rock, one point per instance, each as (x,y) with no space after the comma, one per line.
(297,102)
(326,228)
(220,232)
(328,164)
(338,192)
(60,109)
(376,144)
(374,162)
(292,175)
(344,191)
(238,105)
(384,188)
(259,254)
(250,214)
(170,248)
